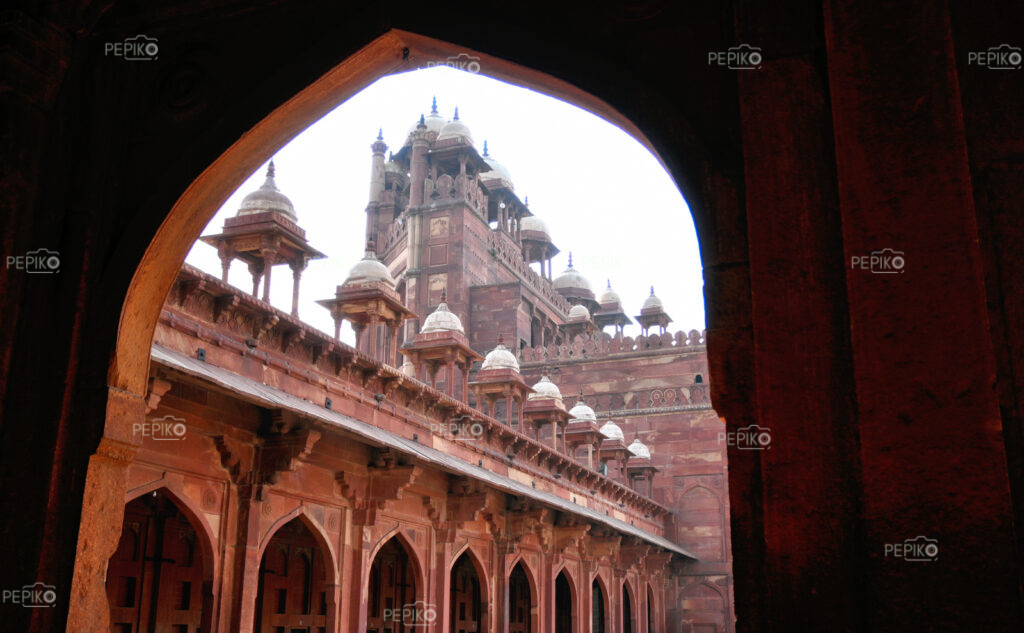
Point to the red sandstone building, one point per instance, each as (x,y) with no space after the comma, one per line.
(288,482)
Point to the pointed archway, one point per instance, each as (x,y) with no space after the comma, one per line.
(293,591)
(651,628)
(159,578)
(522,593)
(467,606)
(598,609)
(564,604)
(628,615)
(394,595)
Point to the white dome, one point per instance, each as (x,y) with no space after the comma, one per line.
(609,296)
(455,129)
(497,169)
(268,198)
(533,223)
(369,270)
(545,390)
(652,302)
(442,320)
(500,358)
(571,278)
(434,122)
(583,412)
(579,312)
(639,449)
(612,431)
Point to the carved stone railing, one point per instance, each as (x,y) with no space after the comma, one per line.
(604,344)
(394,234)
(509,254)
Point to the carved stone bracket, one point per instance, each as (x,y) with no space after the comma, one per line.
(157,388)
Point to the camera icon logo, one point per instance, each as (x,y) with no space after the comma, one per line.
(42,260)
(1002,57)
(38,595)
(141,48)
(754,438)
(462,61)
(921,549)
(743,57)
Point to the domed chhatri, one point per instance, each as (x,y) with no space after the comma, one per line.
(497,169)
(456,129)
(369,301)
(652,302)
(572,279)
(582,412)
(545,390)
(611,312)
(268,198)
(612,431)
(653,314)
(500,358)
(265,233)
(535,224)
(369,270)
(442,320)
(433,121)
(579,312)
(639,449)
(609,296)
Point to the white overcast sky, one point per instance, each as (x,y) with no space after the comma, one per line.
(603,195)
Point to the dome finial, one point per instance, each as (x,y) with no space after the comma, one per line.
(570,259)
(444,295)
(609,284)
(456,113)
(501,338)
(269,183)
(380,134)
(423,122)
(526,201)
(485,149)
(652,291)
(433,106)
